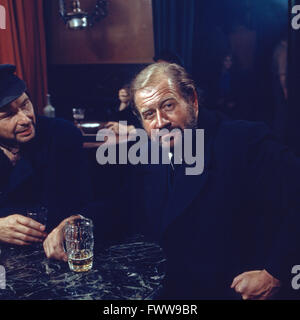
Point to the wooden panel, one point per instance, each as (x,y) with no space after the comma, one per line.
(124,36)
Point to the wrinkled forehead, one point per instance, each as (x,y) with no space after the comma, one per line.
(155,91)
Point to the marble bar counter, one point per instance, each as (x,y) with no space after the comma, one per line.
(132,270)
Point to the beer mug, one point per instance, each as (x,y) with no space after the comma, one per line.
(79,244)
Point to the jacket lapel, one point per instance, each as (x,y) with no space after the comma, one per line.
(154,199)
(188,187)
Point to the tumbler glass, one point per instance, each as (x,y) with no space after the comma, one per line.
(79,243)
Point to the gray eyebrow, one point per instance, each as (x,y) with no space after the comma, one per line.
(145,109)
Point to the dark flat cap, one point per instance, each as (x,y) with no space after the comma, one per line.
(11,87)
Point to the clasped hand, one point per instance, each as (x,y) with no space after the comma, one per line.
(258,285)
(21,230)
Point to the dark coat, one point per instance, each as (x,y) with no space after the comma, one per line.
(239,215)
(51,172)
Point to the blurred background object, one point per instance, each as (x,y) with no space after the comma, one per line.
(77,19)
(49,110)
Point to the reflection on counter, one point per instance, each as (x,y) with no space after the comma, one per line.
(133,270)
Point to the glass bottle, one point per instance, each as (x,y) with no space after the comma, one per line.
(49,110)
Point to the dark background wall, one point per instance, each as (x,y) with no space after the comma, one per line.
(87,67)
(93,87)
(124,36)
(250,30)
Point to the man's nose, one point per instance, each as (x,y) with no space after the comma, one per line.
(161,120)
(23,118)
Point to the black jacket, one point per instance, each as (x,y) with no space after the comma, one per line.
(51,172)
(240,214)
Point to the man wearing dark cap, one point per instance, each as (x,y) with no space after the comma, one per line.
(41,164)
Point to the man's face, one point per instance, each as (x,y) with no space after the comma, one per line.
(162,107)
(17,121)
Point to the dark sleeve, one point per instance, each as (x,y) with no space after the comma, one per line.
(274,177)
(5,171)
(285,253)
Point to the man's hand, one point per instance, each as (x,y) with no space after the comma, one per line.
(258,284)
(54,243)
(21,230)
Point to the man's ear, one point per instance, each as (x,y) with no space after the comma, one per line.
(195,103)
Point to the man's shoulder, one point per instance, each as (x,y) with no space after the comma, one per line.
(58,130)
(220,127)
(235,139)
(242,131)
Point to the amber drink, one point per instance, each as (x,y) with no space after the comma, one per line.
(79,243)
